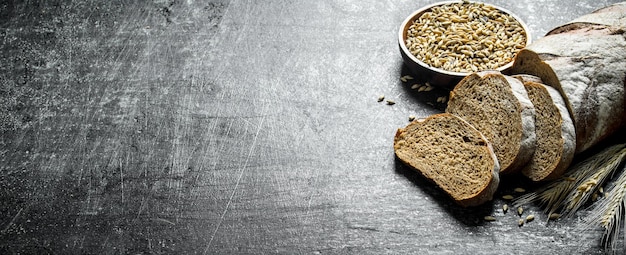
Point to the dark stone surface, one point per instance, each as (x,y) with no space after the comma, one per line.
(161,127)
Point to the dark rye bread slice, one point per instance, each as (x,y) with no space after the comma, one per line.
(554,128)
(499,107)
(451,153)
(586,61)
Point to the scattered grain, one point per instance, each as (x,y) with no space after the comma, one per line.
(520,211)
(519,190)
(554,216)
(411,118)
(391,102)
(505,208)
(406,78)
(381,98)
(530,218)
(507,197)
(520,222)
(415,86)
(490,218)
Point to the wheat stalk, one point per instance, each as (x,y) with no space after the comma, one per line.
(575,189)
(604,165)
(609,212)
(550,196)
(582,180)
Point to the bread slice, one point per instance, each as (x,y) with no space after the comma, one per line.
(499,107)
(554,129)
(453,154)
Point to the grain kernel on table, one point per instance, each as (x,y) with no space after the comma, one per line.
(507,197)
(554,216)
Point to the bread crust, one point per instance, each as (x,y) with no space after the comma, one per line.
(486,186)
(559,145)
(513,152)
(586,61)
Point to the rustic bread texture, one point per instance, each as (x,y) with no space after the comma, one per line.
(499,107)
(586,61)
(453,154)
(613,16)
(556,138)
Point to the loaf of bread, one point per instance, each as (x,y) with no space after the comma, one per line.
(499,107)
(586,61)
(554,128)
(451,153)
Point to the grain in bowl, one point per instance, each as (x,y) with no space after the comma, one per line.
(456,38)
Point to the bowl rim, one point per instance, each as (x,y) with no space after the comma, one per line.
(413,16)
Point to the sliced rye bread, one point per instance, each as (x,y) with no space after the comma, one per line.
(586,61)
(554,128)
(451,153)
(499,107)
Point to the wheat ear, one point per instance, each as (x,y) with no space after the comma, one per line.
(609,212)
(605,164)
(550,196)
(572,190)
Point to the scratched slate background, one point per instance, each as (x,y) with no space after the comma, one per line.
(191,127)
